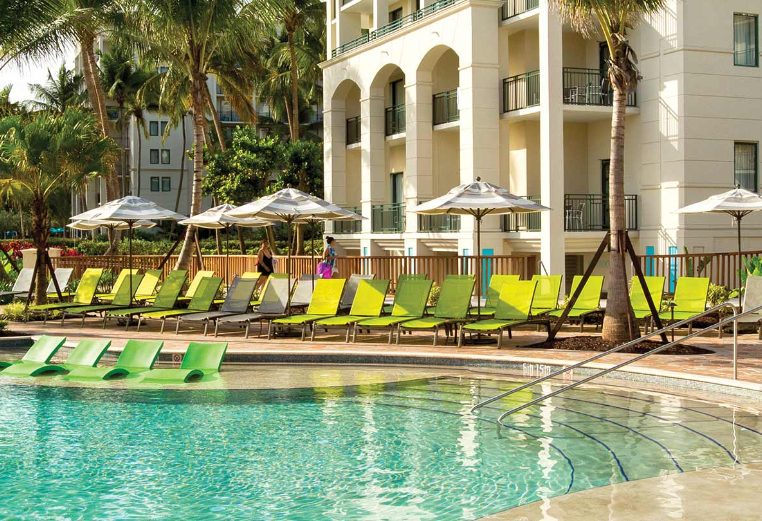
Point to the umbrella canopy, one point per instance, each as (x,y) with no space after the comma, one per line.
(218,218)
(129,209)
(118,225)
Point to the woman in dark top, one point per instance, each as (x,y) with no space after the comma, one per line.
(264,262)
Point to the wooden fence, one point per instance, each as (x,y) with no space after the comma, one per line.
(721,268)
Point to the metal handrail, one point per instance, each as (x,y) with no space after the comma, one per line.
(615,349)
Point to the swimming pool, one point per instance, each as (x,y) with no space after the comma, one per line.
(404,450)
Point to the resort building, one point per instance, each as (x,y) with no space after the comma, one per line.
(421,96)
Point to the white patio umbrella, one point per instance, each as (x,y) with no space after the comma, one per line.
(478,199)
(130,210)
(90,225)
(217,218)
(738,203)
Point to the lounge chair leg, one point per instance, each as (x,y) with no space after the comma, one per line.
(206,326)
(399,332)
(510,334)
(346,339)
(460,336)
(500,338)
(391,331)
(269,329)
(302,333)
(140,322)
(177,326)
(246,329)
(354,334)
(217,326)
(312,333)
(162,325)
(63,317)
(581,324)
(436,334)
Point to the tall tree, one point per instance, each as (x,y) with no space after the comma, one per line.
(60,92)
(611,20)
(8,107)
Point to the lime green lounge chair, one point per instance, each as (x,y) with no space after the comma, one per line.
(514,306)
(350,290)
(165,299)
(388,308)
(84,295)
(137,357)
(147,287)
(690,299)
(452,307)
(120,279)
(40,353)
(493,294)
(323,304)
(87,354)
(409,303)
(122,299)
(588,302)
(368,301)
(638,299)
(201,302)
(194,285)
(200,360)
(546,294)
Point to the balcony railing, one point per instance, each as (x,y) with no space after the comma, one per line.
(513,8)
(590,87)
(341,227)
(590,212)
(228,114)
(438,223)
(522,222)
(446,107)
(388,218)
(395,120)
(353,130)
(521,91)
(395,26)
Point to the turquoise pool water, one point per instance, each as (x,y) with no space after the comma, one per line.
(407,450)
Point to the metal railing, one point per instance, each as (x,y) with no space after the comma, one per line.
(522,222)
(388,218)
(353,130)
(590,212)
(513,8)
(343,227)
(439,223)
(446,107)
(521,91)
(395,120)
(589,87)
(228,115)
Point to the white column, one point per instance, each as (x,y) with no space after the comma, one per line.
(334,153)
(552,247)
(380,13)
(419,180)
(330,9)
(373,160)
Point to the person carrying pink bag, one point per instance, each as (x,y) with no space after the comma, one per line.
(327,268)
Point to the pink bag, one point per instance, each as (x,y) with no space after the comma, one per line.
(324,270)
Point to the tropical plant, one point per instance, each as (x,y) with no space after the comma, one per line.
(611,20)
(60,92)
(45,153)
(693,268)
(752,266)
(8,107)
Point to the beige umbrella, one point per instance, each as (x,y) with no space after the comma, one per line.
(84,225)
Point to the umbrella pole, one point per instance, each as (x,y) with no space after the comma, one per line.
(227,255)
(740,262)
(479,267)
(288,268)
(129,251)
(312,254)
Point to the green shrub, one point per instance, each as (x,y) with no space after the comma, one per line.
(434,294)
(717,294)
(15,312)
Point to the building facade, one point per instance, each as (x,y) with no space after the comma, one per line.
(421,96)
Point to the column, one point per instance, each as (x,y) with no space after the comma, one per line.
(552,236)
(380,13)
(334,153)
(419,180)
(330,44)
(372,173)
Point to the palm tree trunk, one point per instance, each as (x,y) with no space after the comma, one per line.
(182,165)
(618,324)
(140,160)
(40,234)
(215,117)
(294,72)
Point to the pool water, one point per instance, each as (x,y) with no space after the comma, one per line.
(405,450)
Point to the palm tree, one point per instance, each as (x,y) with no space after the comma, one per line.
(43,155)
(59,93)
(8,107)
(611,20)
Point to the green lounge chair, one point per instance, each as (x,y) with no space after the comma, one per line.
(638,299)
(165,299)
(147,287)
(137,356)
(120,279)
(40,353)
(301,295)
(514,306)
(236,302)
(201,302)
(273,305)
(388,308)
(21,286)
(350,290)
(493,294)
(194,285)
(323,304)
(368,301)
(546,294)
(690,299)
(588,302)
(87,354)
(452,307)
(84,295)
(62,276)
(122,299)
(409,303)
(200,360)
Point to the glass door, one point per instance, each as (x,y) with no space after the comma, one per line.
(605,166)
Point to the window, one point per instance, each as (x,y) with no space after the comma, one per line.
(163,69)
(154,184)
(164,156)
(163,127)
(153,128)
(746,165)
(154,156)
(166,184)
(395,15)
(745,40)
(397,194)
(397,91)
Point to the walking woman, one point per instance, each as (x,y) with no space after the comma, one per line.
(264,263)
(329,257)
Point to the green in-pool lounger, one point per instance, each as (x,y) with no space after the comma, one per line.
(40,353)
(272,306)
(691,294)
(546,294)
(513,309)
(493,294)
(201,302)
(87,353)
(236,302)
(452,307)
(409,303)
(120,279)
(368,301)
(84,295)
(323,304)
(137,357)
(201,359)
(165,299)
(588,302)
(122,299)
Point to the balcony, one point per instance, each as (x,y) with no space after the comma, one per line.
(228,115)
(344,227)
(438,223)
(353,130)
(513,8)
(590,87)
(395,120)
(582,213)
(396,25)
(446,107)
(521,91)
(388,218)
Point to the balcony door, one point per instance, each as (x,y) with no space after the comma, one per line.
(605,167)
(397,195)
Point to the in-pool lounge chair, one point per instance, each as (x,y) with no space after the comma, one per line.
(84,295)
(690,299)
(121,299)
(194,285)
(513,309)
(62,275)
(147,287)
(451,309)
(546,294)
(324,303)
(409,303)
(272,306)
(638,299)
(21,286)
(348,298)
(588,302)
(368,301)
(201,359)
(87,353)
(236,302)
(493,295)
(120,279)
(752,298)
(201,302)
(165,299)
(40,353)
(137,357)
